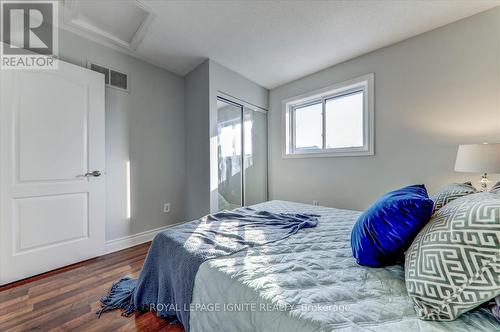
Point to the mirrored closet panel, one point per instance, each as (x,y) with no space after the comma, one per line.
(241,154)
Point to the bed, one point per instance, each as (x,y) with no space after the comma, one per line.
(310,282)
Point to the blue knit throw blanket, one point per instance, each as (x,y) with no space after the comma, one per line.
(167,278)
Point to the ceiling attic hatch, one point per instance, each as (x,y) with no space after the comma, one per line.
(122,23)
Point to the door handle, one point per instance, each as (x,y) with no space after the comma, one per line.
(94,173)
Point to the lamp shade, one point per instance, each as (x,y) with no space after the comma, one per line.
(478,158)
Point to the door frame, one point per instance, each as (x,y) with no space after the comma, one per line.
(241,104)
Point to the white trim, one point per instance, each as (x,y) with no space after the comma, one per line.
(121,49)
(133,240)
(143,29)
(241,102)
(364,83)
(71,22)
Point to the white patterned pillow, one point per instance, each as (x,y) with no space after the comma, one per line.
(453,265)
(496,188)
(450,193)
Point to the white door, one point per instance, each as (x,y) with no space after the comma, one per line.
(52,207)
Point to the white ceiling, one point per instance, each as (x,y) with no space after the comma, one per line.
(122,23)
(274,42)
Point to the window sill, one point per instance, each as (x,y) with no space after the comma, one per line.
(327,154)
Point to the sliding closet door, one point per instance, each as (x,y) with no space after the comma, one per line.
(255,156)
(229,146)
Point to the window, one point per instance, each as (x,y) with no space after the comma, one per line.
(308,125)
(334,121)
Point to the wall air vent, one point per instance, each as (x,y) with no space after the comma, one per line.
(113,78)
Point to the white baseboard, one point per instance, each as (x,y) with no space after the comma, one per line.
(132,240)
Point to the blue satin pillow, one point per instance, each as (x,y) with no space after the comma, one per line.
(382,233)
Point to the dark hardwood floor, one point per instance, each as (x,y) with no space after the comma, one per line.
(67,299)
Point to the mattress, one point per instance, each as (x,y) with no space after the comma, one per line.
(310,282)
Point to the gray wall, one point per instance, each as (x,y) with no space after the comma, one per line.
(163,128)
(197,100)
(201,88)
(432,92)
(145,126)
(229,82)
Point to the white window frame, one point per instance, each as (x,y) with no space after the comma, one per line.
(363,83)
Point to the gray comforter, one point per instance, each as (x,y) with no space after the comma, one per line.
(311,282)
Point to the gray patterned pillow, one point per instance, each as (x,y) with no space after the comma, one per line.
(453,265)
(496,188)
(450,193)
